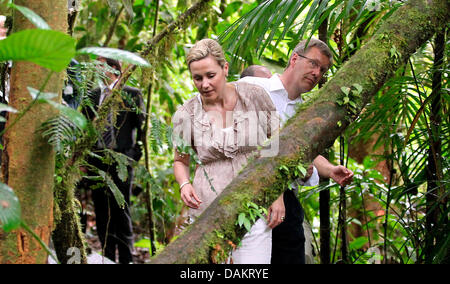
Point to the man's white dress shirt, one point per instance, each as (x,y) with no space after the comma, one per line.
(256,245)
(286,107)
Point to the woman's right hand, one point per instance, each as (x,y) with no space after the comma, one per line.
(189,196)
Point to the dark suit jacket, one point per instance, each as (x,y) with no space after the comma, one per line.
(129,121)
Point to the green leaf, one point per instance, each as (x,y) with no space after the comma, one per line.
(241,219)
(47,48)
(231,8)
(41,97)
(114,189)
(369,163)
(284,167)
(4,107)
(346,100)
(113,53)
(143,243)
(252,216)
(302,170)
(9,209)
(76,117)
(122,161)
(251,204)
(219,234)
(247,224)
(358,87)
(33,17)
(358,243)
(345,90)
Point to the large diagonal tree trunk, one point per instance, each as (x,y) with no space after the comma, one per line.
(29,161)
(313,129)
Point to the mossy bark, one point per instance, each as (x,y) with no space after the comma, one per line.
(29,161)
(313,129)
(67,233)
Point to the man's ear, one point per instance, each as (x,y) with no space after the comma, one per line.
(294,59)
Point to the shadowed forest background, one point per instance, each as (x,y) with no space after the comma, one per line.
(394,132)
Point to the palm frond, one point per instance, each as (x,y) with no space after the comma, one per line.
(271,21)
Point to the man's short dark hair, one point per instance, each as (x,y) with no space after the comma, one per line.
(252,69)
(305,45)
(114,64)
(249,71)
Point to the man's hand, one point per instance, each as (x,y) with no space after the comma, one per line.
(276,213)
(341,175)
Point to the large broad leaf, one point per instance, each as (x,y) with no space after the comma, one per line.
(9,209)
(113,53)
(32,17)
(76,117)
(47,48)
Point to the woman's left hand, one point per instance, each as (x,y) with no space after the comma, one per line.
(276,213)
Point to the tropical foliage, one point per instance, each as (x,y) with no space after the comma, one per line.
(384,218)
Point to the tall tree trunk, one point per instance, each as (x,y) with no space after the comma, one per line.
(434,171)
(312,130)
(148,190)
(29,161)
(342,222)
(324,195)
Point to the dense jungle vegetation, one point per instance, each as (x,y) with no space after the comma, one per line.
(396,139)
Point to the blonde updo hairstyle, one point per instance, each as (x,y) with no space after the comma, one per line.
(202,49)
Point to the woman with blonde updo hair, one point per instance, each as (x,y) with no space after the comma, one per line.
(218,123)
(204,48)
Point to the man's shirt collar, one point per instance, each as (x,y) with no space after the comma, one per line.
(276,85)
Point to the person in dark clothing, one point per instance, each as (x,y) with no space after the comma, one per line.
(114,226)
(71,95)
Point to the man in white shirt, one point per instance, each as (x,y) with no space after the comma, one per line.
(307,65)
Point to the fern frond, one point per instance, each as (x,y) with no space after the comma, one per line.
(61,133)
(157,134)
